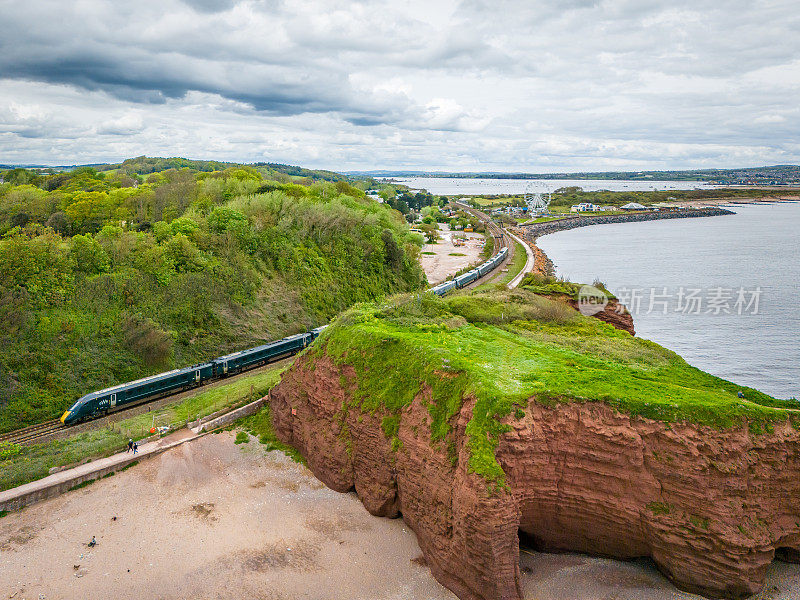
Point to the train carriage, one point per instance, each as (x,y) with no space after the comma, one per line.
(466,278)
(109,399)
(244,359)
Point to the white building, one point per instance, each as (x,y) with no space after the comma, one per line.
(584,207)
(633,206)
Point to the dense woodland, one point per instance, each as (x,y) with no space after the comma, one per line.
(112,273)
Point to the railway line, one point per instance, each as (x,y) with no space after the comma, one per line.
(502,239)
(29,435)
(54,429)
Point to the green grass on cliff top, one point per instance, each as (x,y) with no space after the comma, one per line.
(508,347)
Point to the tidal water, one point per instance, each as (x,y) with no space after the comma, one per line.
(723,292)
(454,185)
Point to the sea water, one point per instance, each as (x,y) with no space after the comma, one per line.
(720,291)
(453,186)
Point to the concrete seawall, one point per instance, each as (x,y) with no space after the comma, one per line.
(539,229)
(230,417)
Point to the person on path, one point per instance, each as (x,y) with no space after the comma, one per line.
(93,543)
(135,447)
(130,446)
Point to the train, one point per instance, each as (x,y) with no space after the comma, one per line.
(102,402)
(470,276)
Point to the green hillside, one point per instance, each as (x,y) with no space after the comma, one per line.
(106,276)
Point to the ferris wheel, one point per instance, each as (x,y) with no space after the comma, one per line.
(537,200)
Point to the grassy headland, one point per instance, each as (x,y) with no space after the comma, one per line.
(504,348)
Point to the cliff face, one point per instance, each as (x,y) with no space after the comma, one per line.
(614,313)
(710,506)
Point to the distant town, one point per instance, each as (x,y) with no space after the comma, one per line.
(788,175)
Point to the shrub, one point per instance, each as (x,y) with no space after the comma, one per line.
(9,449)
(144,338)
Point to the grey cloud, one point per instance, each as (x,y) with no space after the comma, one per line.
(282,83)
(210,6)
(501,83)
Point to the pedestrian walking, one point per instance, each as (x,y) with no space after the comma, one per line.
(135,447)
(130,446)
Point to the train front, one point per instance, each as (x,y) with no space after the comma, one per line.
(74,412)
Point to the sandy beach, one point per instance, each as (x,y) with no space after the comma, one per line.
(212,519)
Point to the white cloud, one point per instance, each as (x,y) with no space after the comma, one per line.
(770,119)
(127,124)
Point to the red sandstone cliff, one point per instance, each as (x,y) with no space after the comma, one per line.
(614,313)
(710,507)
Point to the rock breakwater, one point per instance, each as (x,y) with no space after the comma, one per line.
(538,229)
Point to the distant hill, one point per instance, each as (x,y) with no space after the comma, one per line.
(145,165)
(773,175)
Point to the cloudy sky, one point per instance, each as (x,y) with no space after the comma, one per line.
(532,85)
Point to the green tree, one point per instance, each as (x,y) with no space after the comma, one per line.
(222,217)
(89,256)
(184,254)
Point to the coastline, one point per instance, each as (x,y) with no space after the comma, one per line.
(745,254)
(707,202)
(545,267)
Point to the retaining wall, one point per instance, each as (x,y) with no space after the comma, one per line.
(244,411)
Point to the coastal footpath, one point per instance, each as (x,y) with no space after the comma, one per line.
(536,230)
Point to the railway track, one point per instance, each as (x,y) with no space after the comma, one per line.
(501,240)
(29,435)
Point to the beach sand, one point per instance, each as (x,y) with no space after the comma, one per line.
(214,520)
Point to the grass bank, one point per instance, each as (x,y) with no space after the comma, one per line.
(260,426)
(515,266)
(507,348)
(35,462)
